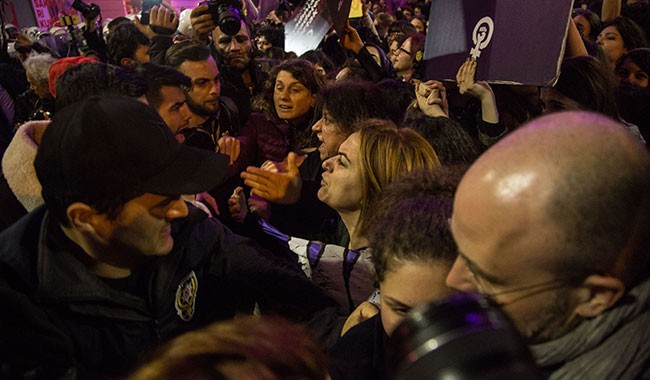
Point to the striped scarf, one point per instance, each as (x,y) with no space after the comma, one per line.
(614,345)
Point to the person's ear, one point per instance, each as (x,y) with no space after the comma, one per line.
(603,293)
(81,217)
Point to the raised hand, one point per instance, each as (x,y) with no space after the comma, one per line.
(351,39)
(465,78)
(467,83)
(229,146)
(431,97)
(278,183)
(202,23)
(161,17)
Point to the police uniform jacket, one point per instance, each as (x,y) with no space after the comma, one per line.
(62,321)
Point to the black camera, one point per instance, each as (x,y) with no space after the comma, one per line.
(226,14)
(88,11)
(463,337)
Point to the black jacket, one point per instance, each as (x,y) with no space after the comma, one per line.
(62,321)
(361,353)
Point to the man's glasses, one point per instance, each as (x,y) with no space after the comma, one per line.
(527,291)
(400,50)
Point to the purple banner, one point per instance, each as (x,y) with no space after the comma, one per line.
(513,41)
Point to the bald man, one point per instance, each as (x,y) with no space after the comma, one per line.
(553,222)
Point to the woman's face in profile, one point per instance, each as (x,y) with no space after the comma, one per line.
(612,44)
(341,184)
(402,56)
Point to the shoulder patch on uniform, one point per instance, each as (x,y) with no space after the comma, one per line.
(186,296)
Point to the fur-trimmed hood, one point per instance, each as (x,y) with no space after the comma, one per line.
(18,166)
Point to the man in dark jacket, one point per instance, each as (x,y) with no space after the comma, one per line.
(214,119)
(116,262)
(243,75)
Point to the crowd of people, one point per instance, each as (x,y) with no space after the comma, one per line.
(192,202)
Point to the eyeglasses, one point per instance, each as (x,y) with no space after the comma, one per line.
(400,50)
(526,291)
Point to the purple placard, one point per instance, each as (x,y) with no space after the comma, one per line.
(513,41)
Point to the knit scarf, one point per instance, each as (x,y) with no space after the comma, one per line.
(611,346)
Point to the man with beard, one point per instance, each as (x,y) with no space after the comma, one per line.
(553,222)
(214,119)
(243,77)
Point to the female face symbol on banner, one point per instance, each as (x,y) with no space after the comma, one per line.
(481,36)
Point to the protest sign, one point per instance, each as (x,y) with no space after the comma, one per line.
(307,28)
(47,12)
(356,9)
(512,41)
(338,11)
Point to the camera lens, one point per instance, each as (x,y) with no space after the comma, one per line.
(229,20)
(461,337)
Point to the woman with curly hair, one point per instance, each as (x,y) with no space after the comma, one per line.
(286,111)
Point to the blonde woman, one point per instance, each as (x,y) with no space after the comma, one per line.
(367,161)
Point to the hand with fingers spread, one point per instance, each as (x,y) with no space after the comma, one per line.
(465,78)
(280,184)
(202,23)
(431,98)
(229,146)
(237,205)
(145,29)
(163,20)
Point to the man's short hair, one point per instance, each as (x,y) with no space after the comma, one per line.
(157,77)
(123,41)
(82,81)
(186,51)
(411,220)
(598,177)
(601,205)
(117,21)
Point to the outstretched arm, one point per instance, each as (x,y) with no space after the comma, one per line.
(611,9)
(575,44)
(281,185)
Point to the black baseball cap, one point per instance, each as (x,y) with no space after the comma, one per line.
(116,145)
